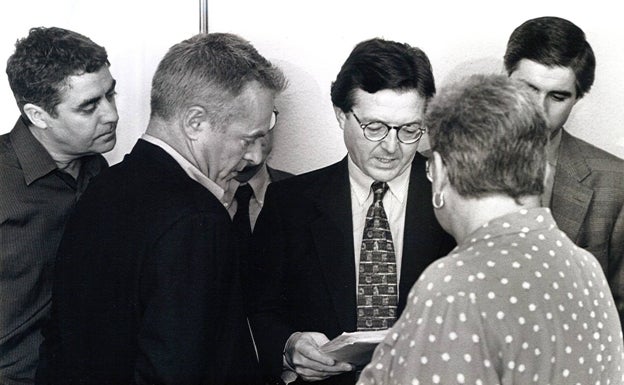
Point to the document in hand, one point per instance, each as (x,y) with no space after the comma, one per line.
(355,348)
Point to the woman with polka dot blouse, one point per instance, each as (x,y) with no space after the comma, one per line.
(516,302)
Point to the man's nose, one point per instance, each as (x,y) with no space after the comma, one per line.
(391,141)
(253,155)
(109,112)
(545,104)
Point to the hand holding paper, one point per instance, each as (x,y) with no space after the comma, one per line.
(310,363)
(355,348)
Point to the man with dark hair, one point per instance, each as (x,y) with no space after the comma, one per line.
(147,288)
(332,253)
(66,97)
(584,188)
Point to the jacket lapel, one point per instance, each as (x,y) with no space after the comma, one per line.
(571,198)
(276,175)
(332,232)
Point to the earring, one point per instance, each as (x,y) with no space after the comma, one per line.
(427,172)
(440,204)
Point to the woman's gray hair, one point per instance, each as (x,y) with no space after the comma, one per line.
(491,135)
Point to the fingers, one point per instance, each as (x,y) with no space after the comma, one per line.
(311,370)
(307,350)
(310,363)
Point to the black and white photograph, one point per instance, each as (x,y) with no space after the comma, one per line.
(237,192)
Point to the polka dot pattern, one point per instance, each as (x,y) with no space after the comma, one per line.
(517,302)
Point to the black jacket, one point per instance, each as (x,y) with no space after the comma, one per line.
(147,287)
(303,275)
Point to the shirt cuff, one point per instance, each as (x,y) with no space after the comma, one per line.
(288,374)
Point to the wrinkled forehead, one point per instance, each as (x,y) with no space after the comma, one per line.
(252,110)
(86,85)
(546,79)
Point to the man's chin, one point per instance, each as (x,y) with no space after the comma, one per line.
(247,173)
(106,146)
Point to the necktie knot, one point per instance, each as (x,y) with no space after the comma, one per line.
(243,195)
(379,190)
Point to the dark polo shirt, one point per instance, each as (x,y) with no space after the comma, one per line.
(35,201)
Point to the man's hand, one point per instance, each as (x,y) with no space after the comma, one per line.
(303,354)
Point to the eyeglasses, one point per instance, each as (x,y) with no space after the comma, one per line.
(273,118)
(376,131)
(248,141)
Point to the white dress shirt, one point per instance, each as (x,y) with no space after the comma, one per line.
(258,183)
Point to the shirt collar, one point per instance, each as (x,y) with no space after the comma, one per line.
(361,183)
(517,222)
(34,159)
(190,169)
(259,183)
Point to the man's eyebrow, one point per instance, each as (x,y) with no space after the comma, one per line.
(556,92)
(562,93)
(89,102)
(112,87)
(529,84)
(97,98)
(256,135)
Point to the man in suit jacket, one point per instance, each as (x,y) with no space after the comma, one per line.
(147,288)
(276,175)
(305,282)
(584,189)
(251,184)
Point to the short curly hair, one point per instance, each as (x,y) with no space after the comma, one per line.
(42,62)
(491,134)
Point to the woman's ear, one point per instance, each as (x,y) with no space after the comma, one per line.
(438,172)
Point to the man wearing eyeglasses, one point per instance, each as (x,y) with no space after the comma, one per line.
(339,248)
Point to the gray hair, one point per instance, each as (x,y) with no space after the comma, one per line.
(210,70)
(491,135)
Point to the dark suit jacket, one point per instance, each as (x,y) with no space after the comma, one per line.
(276,175)
(303,277)
(244,243)
(147,287)
(588,205)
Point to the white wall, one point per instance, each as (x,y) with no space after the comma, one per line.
(135,33)
(310,40)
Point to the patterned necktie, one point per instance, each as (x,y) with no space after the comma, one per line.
(377,288)
(241,218)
